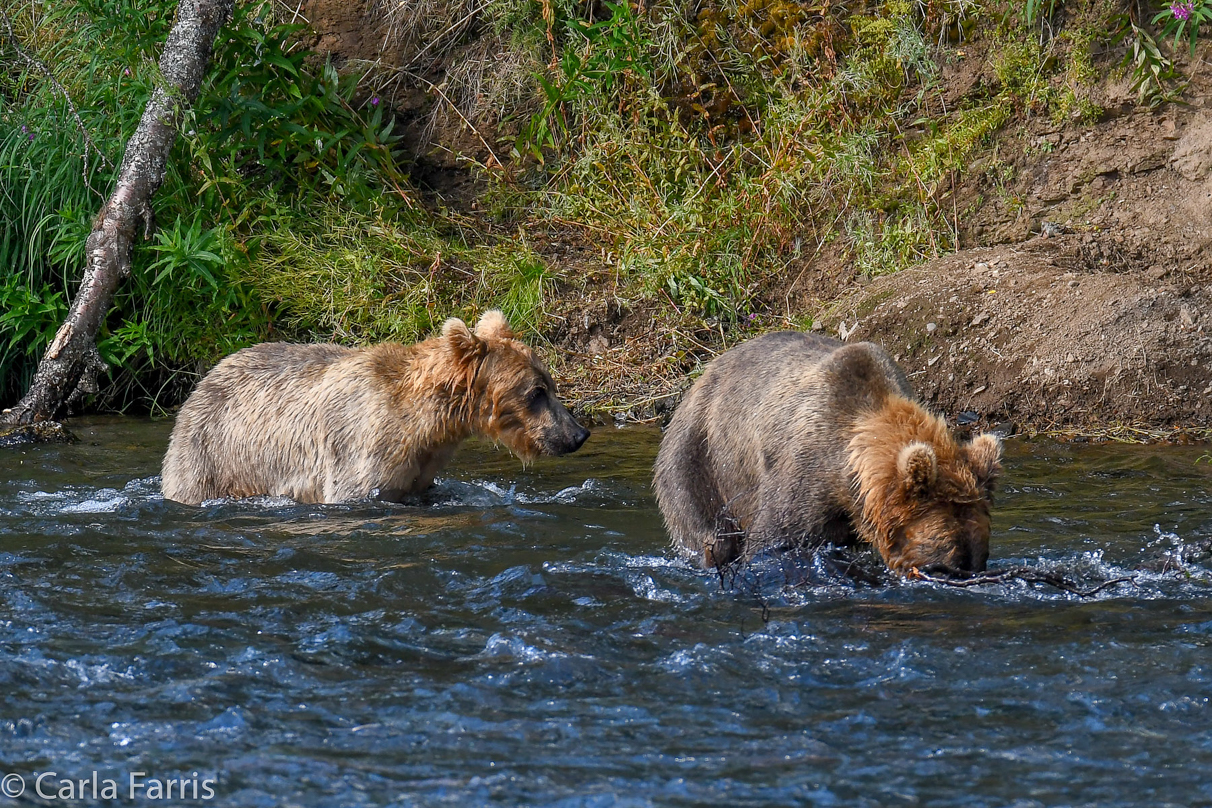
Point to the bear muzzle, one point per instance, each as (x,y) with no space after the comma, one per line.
(560,435)
(568,442)
(956,561)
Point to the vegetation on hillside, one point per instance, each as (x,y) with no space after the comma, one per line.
(704,150)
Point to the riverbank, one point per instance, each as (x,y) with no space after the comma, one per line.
(1071,284)
(991,197)
(1079,305)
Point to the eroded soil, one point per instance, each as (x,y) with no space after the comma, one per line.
(1038,334)
(1092,306)
(1081,297)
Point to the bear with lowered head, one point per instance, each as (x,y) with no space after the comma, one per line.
(795,440)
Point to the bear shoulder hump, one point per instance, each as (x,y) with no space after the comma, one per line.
(864,369)
(781,348)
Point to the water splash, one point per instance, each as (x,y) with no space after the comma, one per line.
(526,637)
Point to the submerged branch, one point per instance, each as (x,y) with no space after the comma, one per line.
(1025,574)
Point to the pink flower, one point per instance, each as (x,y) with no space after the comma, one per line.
(126,72)
(374,102)
(1182,11)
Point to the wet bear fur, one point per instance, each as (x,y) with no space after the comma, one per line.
(794,440)
(323,423)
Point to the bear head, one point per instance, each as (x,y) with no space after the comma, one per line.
(925,499)
(511,395)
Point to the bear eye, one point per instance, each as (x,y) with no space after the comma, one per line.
(536,397)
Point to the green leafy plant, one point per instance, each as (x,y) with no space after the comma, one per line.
(696,293)
(130,340)
(29,319)
(269,117)
(1184,17)
(1153,73)
(187,256)
(273,123)
(1033,9)
(594,65)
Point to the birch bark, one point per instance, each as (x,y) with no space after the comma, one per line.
(70,365)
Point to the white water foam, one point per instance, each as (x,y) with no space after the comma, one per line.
(565,496)
(506,646)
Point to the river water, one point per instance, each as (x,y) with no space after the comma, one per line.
(524,637)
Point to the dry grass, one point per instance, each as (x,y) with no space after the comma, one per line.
(425,29)
(1125,433)
(491,82)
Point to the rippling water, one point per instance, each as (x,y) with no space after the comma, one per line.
(524,638)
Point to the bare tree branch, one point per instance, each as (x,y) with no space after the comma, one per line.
(41,67)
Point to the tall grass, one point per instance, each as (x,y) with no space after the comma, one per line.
(367,276)
(709,171)
(711,152)
(718,150)
(48,177)
(276,127)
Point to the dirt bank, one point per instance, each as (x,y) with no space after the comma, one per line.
(1102,322)
(1094,307)
(1040,335)
(1081,297)
(1087,305)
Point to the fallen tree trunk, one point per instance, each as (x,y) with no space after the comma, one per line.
(70,365)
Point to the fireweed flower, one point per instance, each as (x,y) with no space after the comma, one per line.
(1182,11)
(374,102)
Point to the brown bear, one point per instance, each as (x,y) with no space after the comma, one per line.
(795,440)
(323,423)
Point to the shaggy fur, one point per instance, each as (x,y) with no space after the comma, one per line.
(323,423)
(795,440)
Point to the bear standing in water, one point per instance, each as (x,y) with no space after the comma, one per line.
(322,423)
(794,440)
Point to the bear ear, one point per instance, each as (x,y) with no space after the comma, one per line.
(985,457)
(493,325)
(462,341)
(918,468)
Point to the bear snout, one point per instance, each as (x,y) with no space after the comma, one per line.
(941,557)
(966,559)
(578,439)
(569,441)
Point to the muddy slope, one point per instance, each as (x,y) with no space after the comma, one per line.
(1089,307)
(1081,297)
(1082,301)
(1096,306)
(1038,334)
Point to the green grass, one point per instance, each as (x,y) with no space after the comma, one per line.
(281,127)
(363,277)
(705,208)
(709,153)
